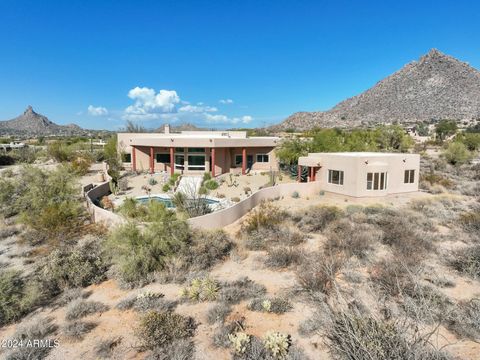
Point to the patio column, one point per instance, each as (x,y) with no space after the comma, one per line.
(313,173)
(134,159)
(213,161)
(299,173)
(152,164)
(172,161)
(244,161)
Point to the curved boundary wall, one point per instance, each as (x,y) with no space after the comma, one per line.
(229,215)
(214,220)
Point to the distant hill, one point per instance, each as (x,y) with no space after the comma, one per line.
(31,123)
(435,87)
(180,127)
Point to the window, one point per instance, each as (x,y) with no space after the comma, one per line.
(179,161)
(377,181)
(162,158)
(179,150)
(335,177)
(409,177)
(196,162)
(263,158)
(196,150)
(238,160)
(127,158)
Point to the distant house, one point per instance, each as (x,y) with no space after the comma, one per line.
(195,152)
(363,174)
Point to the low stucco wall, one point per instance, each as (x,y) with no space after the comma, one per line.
(99,215)
(214,220)
(227,216)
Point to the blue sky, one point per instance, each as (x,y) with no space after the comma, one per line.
(214,63)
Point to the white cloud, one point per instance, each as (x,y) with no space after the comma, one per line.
(97,110)
(197,109)
(226,101)
(225,119)
(149,104)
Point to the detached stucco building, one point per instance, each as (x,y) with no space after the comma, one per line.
(195,152)
(363,174)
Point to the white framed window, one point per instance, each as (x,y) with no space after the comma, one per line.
(263,158)
(127,158)
(377,181)
(409,177)
(335,177)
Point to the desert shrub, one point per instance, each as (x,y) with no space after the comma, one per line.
(147,301)
(37,329)
(436,179)
(207,248)
(104,348)
(316,218)
(152,181)
(318,272)
(392,276)
(282,257)
(191,203)
(266,215)
(69,295)
(355,336)
(82,266)
(241,289)
(47,201)
(457,153)
(8,232)
(470,221)
(81,163)
(425,304)
(136,254)
(235,199)
(76,330)
(126,303)
(467,261)
(132,209)
(183,349)
(464,320)
(276,305)
(81,308)
(211,185)
(218,313)
(406,232)
(166,187)
(158,329)
(201,289)
(295,195)
(350,238)
(221,336)
(264,238)
(17,296)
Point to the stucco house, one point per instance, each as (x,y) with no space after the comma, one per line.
(195,152)
(363,174)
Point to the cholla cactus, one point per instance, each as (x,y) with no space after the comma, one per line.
(204,289)
(266,305)
(239,341)
(277,343)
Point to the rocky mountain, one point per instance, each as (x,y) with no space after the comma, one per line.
(179,128)
(31,123)
(435,87)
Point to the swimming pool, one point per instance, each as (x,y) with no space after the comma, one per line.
(167,201)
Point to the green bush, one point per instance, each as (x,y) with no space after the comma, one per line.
(166,187)
(159,329)
(211,184)
(136,254)
(457,153)
(266,215)
(316,218)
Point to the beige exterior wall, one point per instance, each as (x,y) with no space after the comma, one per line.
(356,166)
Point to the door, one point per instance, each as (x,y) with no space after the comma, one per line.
(249,162)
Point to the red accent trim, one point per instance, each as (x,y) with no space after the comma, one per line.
(244,161)
(313,173)
(213,161)
(299,175)
(134,159)
(172,161)
(152,164)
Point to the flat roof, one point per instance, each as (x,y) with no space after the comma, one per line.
(360,154)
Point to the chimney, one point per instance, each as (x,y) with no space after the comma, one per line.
(167,128)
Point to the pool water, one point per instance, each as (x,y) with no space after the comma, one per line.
(168,201)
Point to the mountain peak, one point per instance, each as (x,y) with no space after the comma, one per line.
(29,110)
(437,86)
